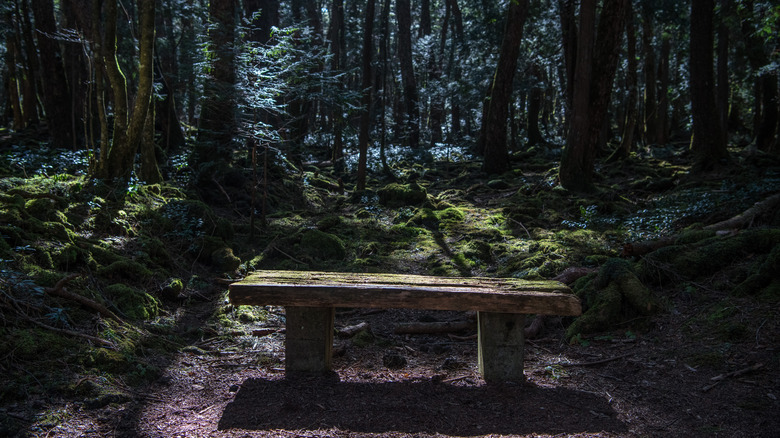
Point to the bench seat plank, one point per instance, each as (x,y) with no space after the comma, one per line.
(328,289)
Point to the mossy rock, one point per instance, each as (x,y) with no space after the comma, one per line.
(43,209)
(451,215)
(399,195)
(478,250)
(611,298)
(323,246)
(224,260)
(156,251)
(39,344)
(125,269)
(329,222)
(172,288)
(132,302)
(426,218)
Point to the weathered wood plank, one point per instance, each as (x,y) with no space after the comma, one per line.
(325,289)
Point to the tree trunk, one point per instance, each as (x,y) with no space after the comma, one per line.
(629,127)
(365,119)
(534,107)
(411,99)
(336,37)
(662,108)
(113,158)
(723,90)
(766,114)
(569,33)
(707,144)
(595,69)
(55,88)
(218,120)
(494,128)
(650,102)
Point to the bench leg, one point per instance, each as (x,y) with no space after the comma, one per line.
(500,346)
(309,339)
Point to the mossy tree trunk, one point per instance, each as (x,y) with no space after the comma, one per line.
(117,161)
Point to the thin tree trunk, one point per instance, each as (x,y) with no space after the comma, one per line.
(629,127)
(723,89)
(662,108)
(365,119)
(650,101)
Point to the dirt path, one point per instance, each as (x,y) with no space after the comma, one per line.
(614,386)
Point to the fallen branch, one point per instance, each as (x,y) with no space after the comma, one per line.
(351,330)
(432,327)
(737,373)
(595,362)
(60,291)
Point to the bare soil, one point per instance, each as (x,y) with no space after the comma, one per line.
(654,383)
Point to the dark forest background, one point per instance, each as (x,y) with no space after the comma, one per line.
(153,151)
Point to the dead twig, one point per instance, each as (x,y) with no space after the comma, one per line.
(737,373)
(595,362)
(60,291)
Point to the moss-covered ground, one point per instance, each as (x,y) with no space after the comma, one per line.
(158,258)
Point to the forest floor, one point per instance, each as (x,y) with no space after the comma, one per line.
(707,363)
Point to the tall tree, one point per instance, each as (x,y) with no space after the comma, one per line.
(708,144)
(765,129)
(218,120)
(593,75)
(493,141)
(365,119)
(632,80)
(411,99)
(117,161)
(56,94)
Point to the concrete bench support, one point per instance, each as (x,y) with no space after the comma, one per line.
(500,346)
(309,339)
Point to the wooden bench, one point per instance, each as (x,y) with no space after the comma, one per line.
(310,299)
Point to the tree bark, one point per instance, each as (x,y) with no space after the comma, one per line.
(596,64)
(365,119)
(650,102)
(493,139)
(707,144)
(629,127)
(218,121)
(534,107)
(766,114)
(411,98)
(56,95)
